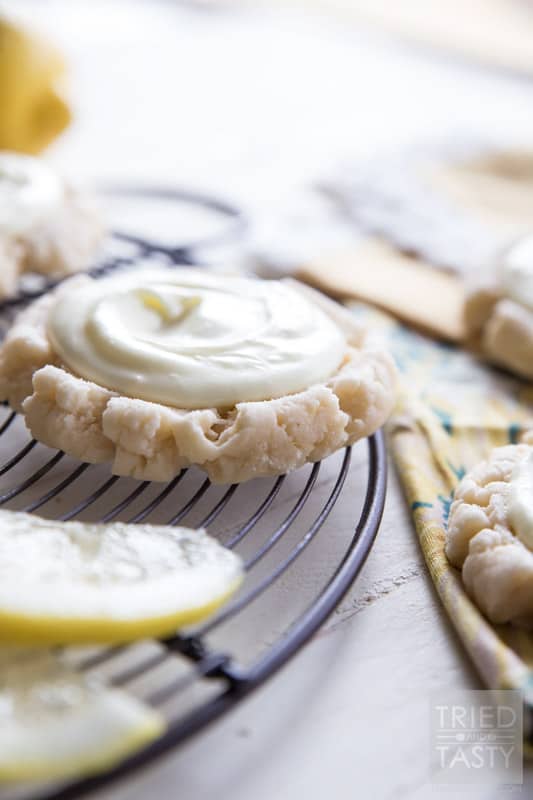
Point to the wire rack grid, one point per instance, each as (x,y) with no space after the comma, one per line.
(280,526)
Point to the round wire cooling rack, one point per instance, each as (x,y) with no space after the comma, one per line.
(284,528)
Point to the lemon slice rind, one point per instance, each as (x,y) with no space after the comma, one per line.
(76,583)
(56,723)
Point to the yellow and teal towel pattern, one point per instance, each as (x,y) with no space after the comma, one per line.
(451,412)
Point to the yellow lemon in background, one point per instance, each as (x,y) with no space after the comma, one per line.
(32,109)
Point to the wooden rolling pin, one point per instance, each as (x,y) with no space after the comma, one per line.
(373,271)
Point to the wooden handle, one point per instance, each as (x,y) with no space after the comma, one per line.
(412,290)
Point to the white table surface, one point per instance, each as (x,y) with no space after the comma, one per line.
(253,104)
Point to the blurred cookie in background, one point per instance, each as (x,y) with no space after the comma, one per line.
(499,310)
(47,227)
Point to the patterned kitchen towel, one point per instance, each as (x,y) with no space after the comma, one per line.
(452,411)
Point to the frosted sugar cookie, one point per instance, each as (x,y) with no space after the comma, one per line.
(158,370)
(490,534)
(499,315)
(46,226)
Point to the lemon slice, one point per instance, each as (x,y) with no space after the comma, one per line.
(58,723)
(171,307)
(74,582)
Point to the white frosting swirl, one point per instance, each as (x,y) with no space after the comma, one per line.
(517,272)
(520,502)
(193,339)
(29,192)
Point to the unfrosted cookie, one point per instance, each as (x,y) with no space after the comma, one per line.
(488,537)
(155,440)
(46,226)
